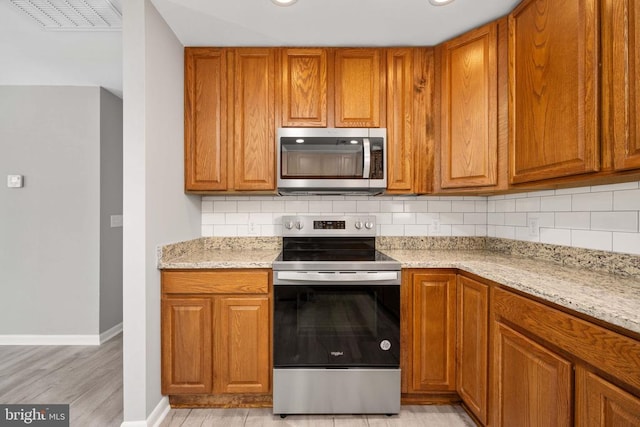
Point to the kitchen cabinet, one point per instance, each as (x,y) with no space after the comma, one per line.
(553,90)
(620,83)
(532,384)
(206,119)
(359,87)
(305,87)
(432,332)
(186,345)
(601,404)
(535,348)
(229,119)
(472,345)
(216,329)
(400,100)
(472,98)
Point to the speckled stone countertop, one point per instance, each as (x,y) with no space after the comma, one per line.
(611,298)
(592,290)
(209,252)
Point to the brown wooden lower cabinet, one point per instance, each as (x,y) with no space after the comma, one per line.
(532,386)
(432,324)
(601,404)
(473,345)
(216,329)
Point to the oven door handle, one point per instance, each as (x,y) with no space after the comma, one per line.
(337,276)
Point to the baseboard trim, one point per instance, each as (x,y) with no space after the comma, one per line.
(155,418)
(110,333)
(49,339)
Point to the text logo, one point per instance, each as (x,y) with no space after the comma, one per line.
(34,415)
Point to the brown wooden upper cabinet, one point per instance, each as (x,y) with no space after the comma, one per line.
(621,82)
(473,109)
(332,87)
(553,91)
(304,87)
(229,119)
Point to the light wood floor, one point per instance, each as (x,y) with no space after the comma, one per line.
(410,416)
(88,378)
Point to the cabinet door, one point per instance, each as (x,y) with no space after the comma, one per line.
(205,119)
(186,346)
(254,105)
(621,81)
(359,91)
(601,404)
(473,333)
(469,109)
(242,353)
(553,93)
(434,332)
(532,385)
(304,87)
(399,120)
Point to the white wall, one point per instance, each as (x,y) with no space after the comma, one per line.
(50,229)
(110,204)
(601,217)
(156,210)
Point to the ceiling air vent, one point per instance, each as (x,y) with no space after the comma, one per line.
(81,15)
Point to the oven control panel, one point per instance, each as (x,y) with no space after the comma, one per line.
(329,226)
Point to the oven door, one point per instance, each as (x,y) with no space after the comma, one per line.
(335,324)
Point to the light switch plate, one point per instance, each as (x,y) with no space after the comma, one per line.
(15,181)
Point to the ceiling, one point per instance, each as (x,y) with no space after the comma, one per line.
(33,56)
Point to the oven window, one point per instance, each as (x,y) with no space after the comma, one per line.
(336,326)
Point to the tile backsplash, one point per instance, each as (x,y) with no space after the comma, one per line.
(602,217)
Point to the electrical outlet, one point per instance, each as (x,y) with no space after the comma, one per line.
(116,221)
(435,226)
(534,227)
(252,229)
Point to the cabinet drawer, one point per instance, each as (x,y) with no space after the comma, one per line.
(216,282)
(602,348)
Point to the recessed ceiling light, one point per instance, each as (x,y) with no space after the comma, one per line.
(284,2)
(439,2)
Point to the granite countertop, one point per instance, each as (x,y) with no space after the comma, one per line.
(612,298)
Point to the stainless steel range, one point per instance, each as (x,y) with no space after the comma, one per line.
(336,339)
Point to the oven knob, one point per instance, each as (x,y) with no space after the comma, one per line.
(385,345)
(299,225)
(358,225)
(288,225)
(368,225)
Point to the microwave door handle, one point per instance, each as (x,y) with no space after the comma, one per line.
(366,145)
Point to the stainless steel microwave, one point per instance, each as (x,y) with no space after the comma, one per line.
(332,160)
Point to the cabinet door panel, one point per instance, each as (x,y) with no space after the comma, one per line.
(469,132)
(243,354)
(532,385)
(553,72)
(304,87)
(205,119)
(186,346)
(358,88)
(473,333)
(434,332)
(399,119)
(621,81)
(254,99)
(601,404)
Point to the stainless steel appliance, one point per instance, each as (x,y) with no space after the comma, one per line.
(331,160)
(336,325)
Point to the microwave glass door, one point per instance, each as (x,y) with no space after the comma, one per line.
(331,157)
